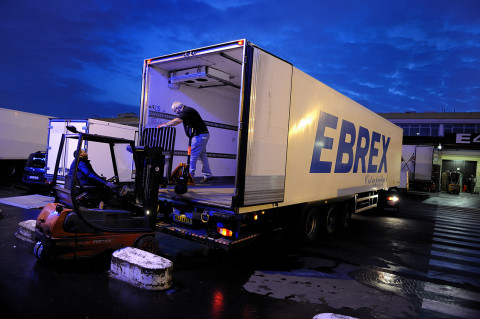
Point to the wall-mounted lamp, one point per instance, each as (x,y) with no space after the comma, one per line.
(439,146)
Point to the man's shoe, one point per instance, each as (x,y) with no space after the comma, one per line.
(206,179)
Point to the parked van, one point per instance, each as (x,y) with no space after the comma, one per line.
(34,171)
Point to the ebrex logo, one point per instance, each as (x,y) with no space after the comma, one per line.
(364,153)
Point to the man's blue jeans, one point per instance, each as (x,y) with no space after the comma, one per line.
(199,151)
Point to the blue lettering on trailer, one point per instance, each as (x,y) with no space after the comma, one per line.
(383,161)
(345,147)
(321,141)
(373,152)
(361,151)
(348,155)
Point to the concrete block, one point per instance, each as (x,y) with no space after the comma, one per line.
(142,269)
(26,231)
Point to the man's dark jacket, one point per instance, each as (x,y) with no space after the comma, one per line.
(86,176)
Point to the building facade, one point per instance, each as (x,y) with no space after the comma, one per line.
(437,145)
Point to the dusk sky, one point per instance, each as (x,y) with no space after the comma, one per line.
(81,59)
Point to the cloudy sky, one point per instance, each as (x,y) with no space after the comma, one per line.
(79,59)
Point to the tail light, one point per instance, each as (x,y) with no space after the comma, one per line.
(224,232)
(392,198)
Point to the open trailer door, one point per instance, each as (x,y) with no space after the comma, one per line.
(266,112)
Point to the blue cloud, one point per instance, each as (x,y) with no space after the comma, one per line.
(82,58)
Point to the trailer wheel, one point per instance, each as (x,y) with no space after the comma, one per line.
(147,243)
(311,223)
(330,220)
(346,215)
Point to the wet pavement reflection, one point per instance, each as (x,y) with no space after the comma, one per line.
(382,267)
(339,288)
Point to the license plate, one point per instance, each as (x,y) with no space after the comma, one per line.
(33,177)
(183,219)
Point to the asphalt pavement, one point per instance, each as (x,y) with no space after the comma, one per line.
(257,282)
(206,284)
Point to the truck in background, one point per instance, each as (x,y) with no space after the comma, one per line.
(417,169)
(96,154)
(21,134)
(286,150)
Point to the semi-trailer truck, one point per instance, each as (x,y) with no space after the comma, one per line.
(288,152)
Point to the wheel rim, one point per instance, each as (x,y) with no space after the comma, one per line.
(311,225)
(347,215)
(331,220)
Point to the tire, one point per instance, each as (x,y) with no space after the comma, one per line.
(180,189)
(39,251)
(148,244)
(329,220)
(311,224)
(345,215)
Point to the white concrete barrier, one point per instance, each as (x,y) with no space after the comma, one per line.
(26,231)
(141,269)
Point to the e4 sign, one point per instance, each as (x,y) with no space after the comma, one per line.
(467,138)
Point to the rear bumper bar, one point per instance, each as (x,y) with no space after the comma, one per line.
(201,237)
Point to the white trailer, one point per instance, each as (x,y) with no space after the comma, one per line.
(96,153)
(417,166)
(285,149)
(21,133)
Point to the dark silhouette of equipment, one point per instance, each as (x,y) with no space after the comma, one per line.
(181,176)
(454,183)
(71,228)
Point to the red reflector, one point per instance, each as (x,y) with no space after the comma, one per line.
(224,232)
(240,42)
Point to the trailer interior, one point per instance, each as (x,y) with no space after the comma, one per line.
(210,82)
(243,94)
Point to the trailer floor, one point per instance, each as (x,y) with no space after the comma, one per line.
(217,192)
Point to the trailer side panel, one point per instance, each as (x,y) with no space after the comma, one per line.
(336,147)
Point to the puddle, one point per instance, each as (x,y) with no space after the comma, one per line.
(389,282)
(335,288)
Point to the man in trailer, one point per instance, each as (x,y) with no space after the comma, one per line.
(190,117)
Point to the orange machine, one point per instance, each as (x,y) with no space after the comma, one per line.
(62,238)
(86,221)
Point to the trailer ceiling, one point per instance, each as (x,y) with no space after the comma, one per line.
(228,61)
